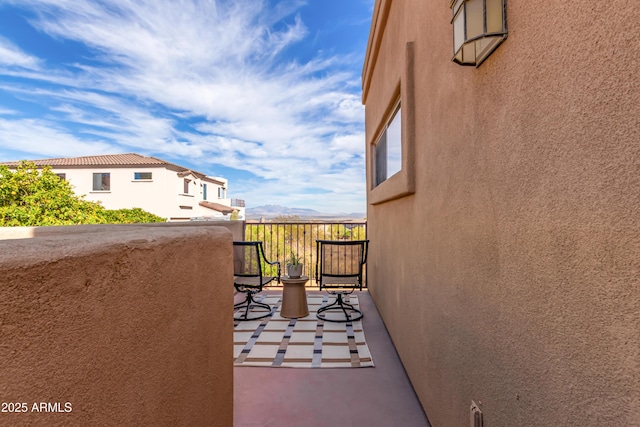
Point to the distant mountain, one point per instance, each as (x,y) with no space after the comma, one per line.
(275,210)
(272,211)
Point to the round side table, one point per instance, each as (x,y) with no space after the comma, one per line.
(294,297)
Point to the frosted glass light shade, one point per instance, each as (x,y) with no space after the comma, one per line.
(479,26)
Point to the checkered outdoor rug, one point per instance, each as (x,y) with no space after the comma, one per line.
(301,343)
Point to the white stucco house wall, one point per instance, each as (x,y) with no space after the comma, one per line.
(125,181)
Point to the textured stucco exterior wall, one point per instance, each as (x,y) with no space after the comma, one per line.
(129,324)
(235,227)
(511,275)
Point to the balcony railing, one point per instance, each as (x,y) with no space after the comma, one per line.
(237,203)
(186,200)
(280,239)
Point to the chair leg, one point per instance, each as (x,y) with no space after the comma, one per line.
(250,303)
(340,304)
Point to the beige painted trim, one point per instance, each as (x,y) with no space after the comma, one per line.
(402,183)
(378,24)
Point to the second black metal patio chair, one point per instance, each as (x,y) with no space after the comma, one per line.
(339,270)
(251,272)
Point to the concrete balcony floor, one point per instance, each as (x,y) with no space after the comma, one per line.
(340,397)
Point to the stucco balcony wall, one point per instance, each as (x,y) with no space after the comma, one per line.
(235,227)
(130,325)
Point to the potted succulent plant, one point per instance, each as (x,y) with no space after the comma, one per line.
(294,266)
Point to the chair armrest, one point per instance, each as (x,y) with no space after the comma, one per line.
(273,263)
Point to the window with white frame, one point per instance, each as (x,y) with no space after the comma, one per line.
(102,182)
(388,150)
(186,186)
(222,193)
(204,191)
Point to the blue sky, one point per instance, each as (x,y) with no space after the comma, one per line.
(264,93)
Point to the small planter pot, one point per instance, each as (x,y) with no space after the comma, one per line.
(294,271)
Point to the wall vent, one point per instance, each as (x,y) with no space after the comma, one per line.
(476,415)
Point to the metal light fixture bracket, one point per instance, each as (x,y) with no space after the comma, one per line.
(479,26)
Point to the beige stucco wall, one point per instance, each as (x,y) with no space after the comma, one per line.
(511,275)
(236,228)
(132,325)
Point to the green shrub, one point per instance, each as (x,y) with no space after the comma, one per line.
(32,197)
(129,216)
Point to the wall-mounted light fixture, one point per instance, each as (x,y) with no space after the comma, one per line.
(479,26)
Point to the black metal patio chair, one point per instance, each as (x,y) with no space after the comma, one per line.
(251,272)
(339,270)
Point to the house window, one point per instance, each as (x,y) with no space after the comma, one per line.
(138,176)
(62,176)
(391,153)
(186,186)
(221,193)
(101,182)
(388,149)
(204,191)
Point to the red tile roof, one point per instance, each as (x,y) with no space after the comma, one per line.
(217,207)
(128,159)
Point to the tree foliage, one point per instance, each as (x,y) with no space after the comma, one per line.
(129,216)
(31,197)
(287,218)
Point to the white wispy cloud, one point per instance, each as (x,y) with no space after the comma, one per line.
(203,79)
(42,137)
(11,55)
(7,112)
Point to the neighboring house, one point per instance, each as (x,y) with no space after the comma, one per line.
(133,181)
(504,207)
